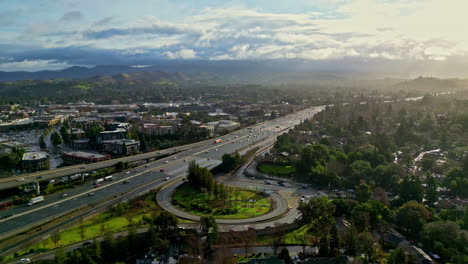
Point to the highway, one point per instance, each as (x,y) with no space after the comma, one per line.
(145,177)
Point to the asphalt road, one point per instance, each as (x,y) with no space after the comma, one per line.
(174,166)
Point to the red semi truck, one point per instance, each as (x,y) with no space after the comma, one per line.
(217,141)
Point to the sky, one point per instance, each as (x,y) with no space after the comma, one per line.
(429,35)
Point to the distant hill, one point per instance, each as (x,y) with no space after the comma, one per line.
(431,84)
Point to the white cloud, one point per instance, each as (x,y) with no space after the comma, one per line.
(32,65)
(182,54)
(411,30)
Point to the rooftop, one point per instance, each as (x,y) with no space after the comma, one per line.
(87,155)
(34,155)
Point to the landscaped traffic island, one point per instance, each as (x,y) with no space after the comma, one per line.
(235,203)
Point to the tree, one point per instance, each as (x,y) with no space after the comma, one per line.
(411,218)
(210,230)
(367,246)
(55,139)
(65,135)
(370,215)
(334,241)
(60,256)
(165,222)
(361,170)
(318,213)
(82,230)
(278,240)
(55,237)
(411,189)
(431,190)
(397,256)
(363,193)
(284,255)
(324,246)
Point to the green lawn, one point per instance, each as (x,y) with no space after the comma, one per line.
(292,237)
(279,170)
(199,203)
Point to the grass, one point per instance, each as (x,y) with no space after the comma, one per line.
(200,203)
(292,237)
(93,226)
(278,170)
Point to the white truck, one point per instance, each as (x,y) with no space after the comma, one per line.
(108,178)
(98,181)
(36,200)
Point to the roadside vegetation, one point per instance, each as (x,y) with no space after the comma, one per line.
(137,213)
(276,169)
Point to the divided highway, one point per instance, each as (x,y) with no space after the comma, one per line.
(144,178)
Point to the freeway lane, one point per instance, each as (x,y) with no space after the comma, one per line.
(53,206)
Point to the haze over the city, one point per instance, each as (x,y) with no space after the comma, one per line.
(404,38)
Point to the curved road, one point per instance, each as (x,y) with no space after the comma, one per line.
(163,198)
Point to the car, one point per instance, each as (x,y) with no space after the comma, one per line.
(64,195)
(267,182)
(162,170)
(216,149)
(39,177)
(20,179)
(185,160)
(23,260)
(82,168)
(146,166)
(91,194)
(166,161)
(97,185)
(167,178)
(207,151)
(126,181)
(175,157)
(127,172)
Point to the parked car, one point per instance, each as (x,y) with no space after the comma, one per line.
(23,260)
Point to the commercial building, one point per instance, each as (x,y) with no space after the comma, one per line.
(80,144)
(224,125)
(78,157)
(77,133)
(18,124)
(34,161)
(156,129)
(119,133)
(121,147)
